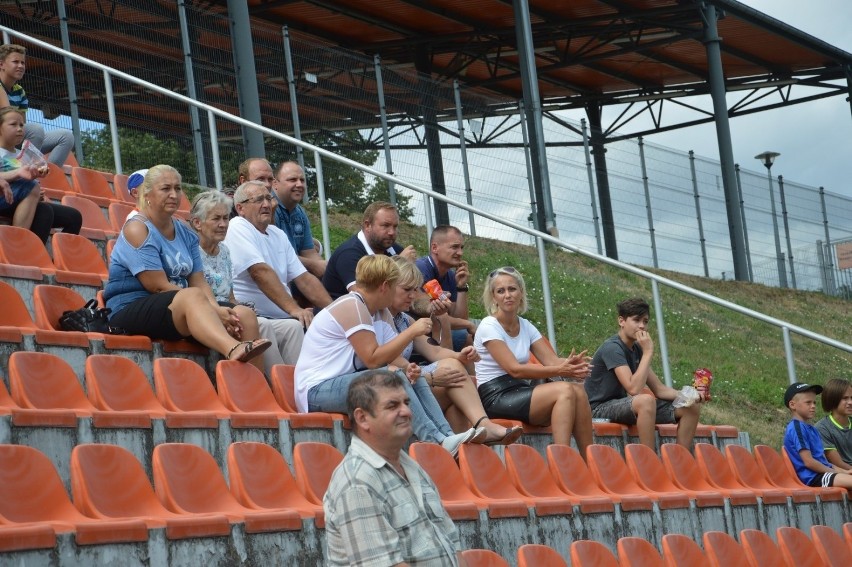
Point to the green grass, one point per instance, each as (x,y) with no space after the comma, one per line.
(746,356)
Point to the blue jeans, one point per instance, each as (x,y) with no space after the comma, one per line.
(427,419)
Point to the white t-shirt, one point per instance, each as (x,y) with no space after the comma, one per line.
(490,329)
(248,247)
(326,350)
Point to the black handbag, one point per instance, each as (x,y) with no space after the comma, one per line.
(89,319)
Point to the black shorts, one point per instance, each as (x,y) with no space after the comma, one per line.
(149,316)
(823,480)
(505,397)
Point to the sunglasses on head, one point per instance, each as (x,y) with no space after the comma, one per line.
(503,270)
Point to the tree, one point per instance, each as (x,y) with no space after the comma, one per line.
(139,150)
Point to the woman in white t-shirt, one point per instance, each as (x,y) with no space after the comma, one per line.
(355,334)
(504,342)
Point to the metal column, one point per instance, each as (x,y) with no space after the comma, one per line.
(113,122)
(467,190)
(522,115)
(191,92)
(294,103)
(723,135)
(787,231)
(247,93)
(595,217)
(698,213)
(69,78)
(830,257)
(383,114)
(593,111)
(745,222)
(532,101)
(779,256)
(648,202)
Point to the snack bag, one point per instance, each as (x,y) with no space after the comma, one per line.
(701,379)
(433,288)
(31,155)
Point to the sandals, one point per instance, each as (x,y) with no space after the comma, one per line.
(253,348)
(512,434)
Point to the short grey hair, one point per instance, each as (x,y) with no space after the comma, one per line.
(240,193)
(206,201)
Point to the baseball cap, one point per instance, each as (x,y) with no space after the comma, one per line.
(136,178)
(798,388)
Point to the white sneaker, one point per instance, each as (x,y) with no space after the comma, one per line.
(453,442)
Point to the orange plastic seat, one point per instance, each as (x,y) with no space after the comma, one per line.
(243,389)
(95,224)
(74,251)
(282,379)
(650,475)
(50,301)
(15,320)
(684,472)
(530,475)
(187,479)
(638,552)
(537,555)
(98,493)
(745,468)
(797,549)
(457,498)
(587,553)
(55,184)
(714,467)
(183,386)
(483,558)
(22,250)
(314,463)
(20,537)
(260,479)
(847,534)
(486,477)
(119,187)
(93,184)
(611,474)
(31,491)
(680,550)
(118,214)
(723,550)
(773,467)
(830,546)
(760,549)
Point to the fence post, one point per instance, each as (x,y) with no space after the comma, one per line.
(829,256)
(214,149)
(69,78)
(294,102)
(467,190)
(113,122)
(383,115)
(788,354)
(648,201)
(661,333)
(590,172)
(698,212)
(326,239)
(787,231)
(745,223)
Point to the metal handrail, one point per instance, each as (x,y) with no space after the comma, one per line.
(785,326)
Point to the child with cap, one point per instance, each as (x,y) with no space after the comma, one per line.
(836,427)
(802,440)
(133,182)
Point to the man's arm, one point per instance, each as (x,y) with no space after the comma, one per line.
(813,464)
(634,382)
(267,281)
(312,288)
(460,309)
(314,263)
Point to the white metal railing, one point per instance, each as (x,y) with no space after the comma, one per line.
(540,238)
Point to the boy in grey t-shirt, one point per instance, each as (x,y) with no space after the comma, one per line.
(835,429)
(621,370)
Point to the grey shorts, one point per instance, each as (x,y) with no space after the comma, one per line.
(621,411)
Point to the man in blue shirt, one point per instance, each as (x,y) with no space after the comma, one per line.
(289,187)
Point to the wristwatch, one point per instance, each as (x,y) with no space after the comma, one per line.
(463,288)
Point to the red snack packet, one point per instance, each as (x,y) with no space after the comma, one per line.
(701,379)
(433,288)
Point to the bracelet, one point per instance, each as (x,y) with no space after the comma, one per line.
(463,288)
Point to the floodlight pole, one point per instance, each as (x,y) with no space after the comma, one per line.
(767,158)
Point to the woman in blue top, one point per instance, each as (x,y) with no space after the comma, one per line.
(156,283)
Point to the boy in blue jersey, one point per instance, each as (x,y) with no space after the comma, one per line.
(803,443)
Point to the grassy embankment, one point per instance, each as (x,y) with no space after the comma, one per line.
(745,355)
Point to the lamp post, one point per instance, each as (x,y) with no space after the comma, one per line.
(767,158)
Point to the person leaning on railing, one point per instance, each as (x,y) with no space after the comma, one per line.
(156,283)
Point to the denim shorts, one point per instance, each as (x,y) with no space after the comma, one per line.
(620,410)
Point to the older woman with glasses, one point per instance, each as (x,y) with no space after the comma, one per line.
(156,283)
(504,341)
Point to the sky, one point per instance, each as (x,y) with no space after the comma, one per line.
(814,138)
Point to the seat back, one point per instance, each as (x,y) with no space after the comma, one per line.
(797,549)
(723,550)
(745,468)
(679,550)
(831,548)
(760,549)
(187,479)
(314,463)
(528,472)
(73,252)
(537,555)
(483,558)
(587,553)
(647,468)
(610,471)
(682,468)
(117,383)
(638,552)
(95,469)
(484,473)
(443,470)
(22,247)
(55,178)
(282,378)
(182,385)
(772,466)
(90,182)
(40,380)
(14,312)
(847,534)
(93,218)
(118,214)
(714,467)
(260,478)
(570,472)
(242,388)
(50,301)
(119,186)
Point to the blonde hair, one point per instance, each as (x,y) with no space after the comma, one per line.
(10,48)
(488,292)
(372,271)
(409,274)
(151,179)
(8,110)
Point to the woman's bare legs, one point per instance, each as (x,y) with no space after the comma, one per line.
(251,331)
(193,315)
(565,407)
(465,399)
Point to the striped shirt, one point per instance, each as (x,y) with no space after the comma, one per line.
(18,97)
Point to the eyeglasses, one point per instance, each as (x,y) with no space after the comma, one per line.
(258,199)
(503,270)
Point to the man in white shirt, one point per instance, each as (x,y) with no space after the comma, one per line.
(264,264)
